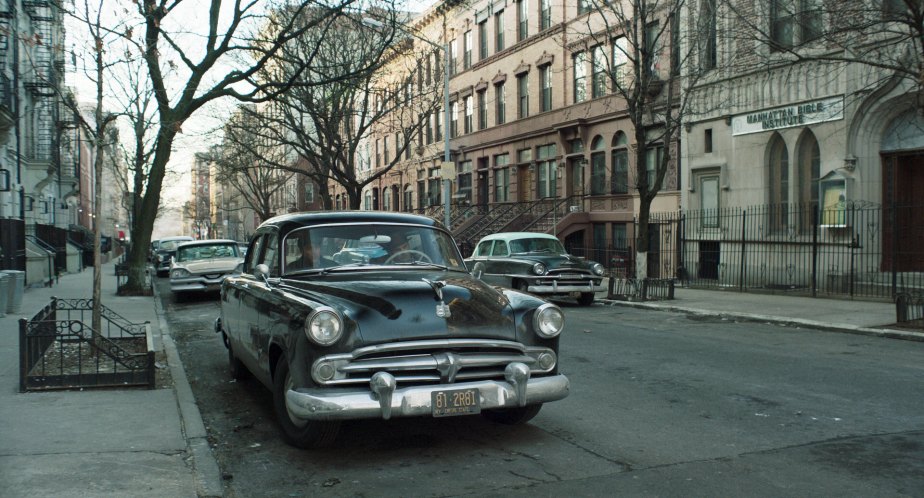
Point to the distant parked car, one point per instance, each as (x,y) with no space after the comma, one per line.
(201,265)
(165,250)
(152,251)
(536,263)
(358,315)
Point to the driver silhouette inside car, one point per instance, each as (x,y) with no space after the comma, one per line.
(311,257)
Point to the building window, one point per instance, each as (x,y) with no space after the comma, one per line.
(620,61)
(482,111)
(386,199)
(709,200)
(620,236)
(808,170)
(524,156)
(434,193)
(545,76)
(430,119)
(385,150)
(794,22)
(501,178)
(309,193)
(408,197)
(469,114)
(619,179)
(597,167)
(583,6)
(652,46)
(367,201)
(454,122)
(438,119)
(545,14)
(500,103)
(483,40)
(453,57)
(437,74)
(467,50)
(499,31)
(598,72)
(464,181)
(408,139)
(778,181)
(579,61)
(523,95)
(708,53)
(654,156)
(546,171)
(378,156)
(522,19)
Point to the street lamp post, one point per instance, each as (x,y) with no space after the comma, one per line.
(446,130)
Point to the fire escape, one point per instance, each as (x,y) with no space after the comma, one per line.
(40,80)
(7,118)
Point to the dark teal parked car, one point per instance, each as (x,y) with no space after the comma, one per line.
(359,315)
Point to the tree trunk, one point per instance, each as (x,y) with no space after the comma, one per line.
(144,225)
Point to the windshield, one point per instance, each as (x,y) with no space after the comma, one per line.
(551,246)
(207,251)
(333,246)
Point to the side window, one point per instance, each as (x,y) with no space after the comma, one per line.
(253,253)
(483,249)
(500,249)
(269,255)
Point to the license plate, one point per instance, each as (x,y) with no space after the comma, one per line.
(574,294)
(454,402)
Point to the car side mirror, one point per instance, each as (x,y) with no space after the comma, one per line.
(261,272)
(478,270)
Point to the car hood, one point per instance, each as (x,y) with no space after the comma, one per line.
(210,265)
(557,261)
(401,305)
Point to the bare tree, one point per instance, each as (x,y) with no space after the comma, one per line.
(237,42)
(332,126)
(638,53)
(245,162)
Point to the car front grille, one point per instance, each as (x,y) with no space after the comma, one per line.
(431,361)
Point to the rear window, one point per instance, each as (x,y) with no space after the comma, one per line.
(209,251)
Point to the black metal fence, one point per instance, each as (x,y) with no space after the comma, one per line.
(12,244)
(854,250)
(58,349)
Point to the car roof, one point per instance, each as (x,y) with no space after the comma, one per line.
(517,236)
(206,242)
(178,237)
(287,222)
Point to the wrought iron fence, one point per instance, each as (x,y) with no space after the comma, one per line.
(58,349)
(856,249)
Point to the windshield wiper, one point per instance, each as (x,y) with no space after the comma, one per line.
(423,263)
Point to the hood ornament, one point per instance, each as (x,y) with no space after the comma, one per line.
(442,309)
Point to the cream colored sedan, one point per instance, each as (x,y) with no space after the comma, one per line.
(201,265)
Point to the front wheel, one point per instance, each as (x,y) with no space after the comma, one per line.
(235,366)
(586,299)
(295,431)
(512,416)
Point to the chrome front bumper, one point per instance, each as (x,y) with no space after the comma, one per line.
(198,283)
(555,288)
(385,400)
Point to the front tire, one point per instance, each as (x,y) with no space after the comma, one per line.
(586,299)
(512,416)
(297,432)
(235,365)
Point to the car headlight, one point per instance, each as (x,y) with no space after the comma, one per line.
(324,327)
(179,273)
(548,320)
(539,269)
(597,268)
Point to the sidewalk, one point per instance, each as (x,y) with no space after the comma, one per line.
(103,442)
(840,315)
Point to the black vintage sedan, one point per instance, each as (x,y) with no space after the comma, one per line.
(536,263)
(352,315)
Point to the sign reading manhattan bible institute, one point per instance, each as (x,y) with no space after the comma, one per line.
(815,111)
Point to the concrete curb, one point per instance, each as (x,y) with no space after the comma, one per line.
(754,317)
(208,475)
